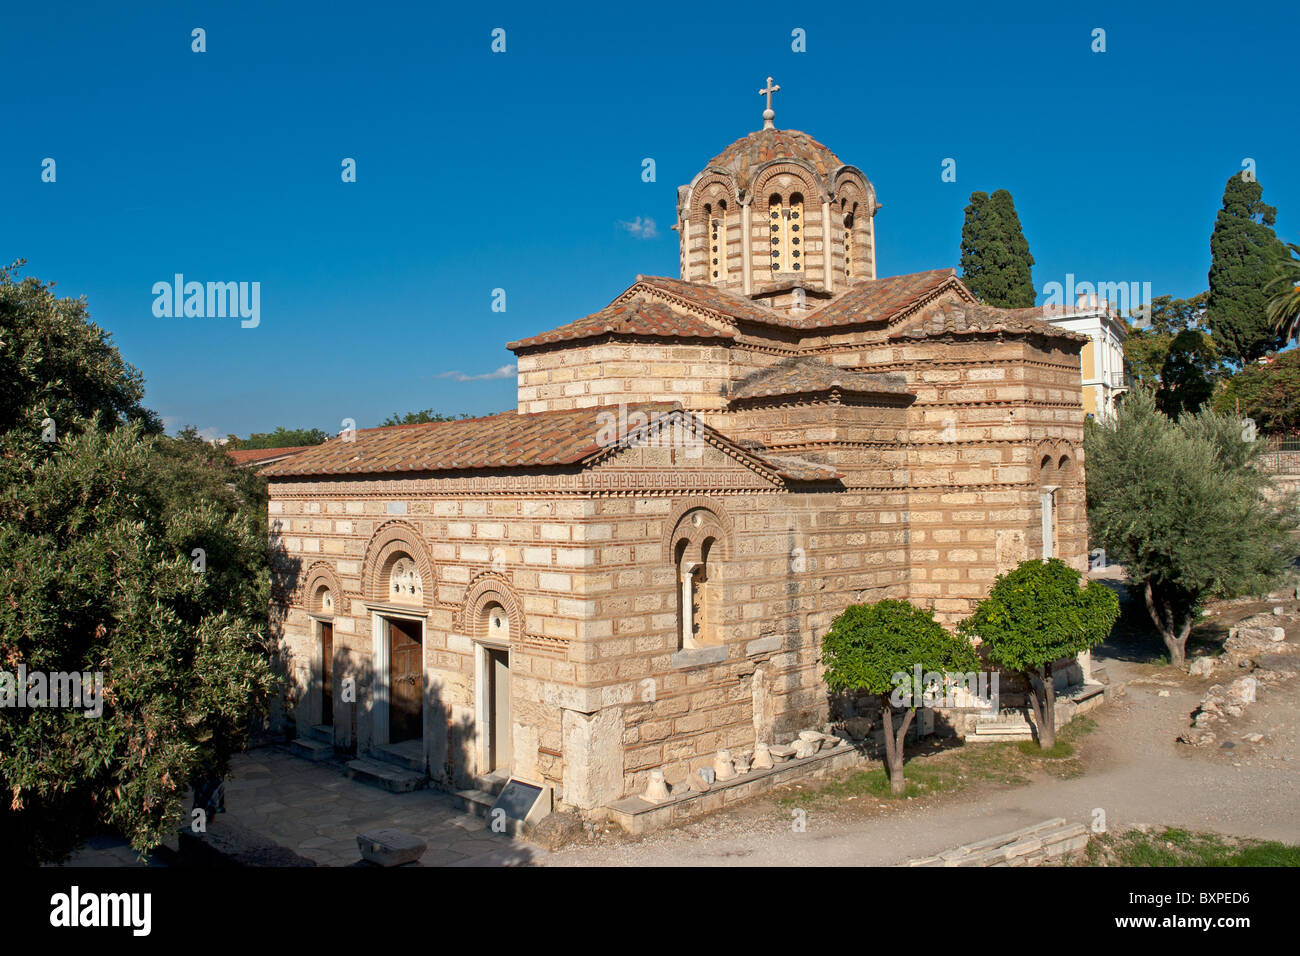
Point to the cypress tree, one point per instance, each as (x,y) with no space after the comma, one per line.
(1245,257)
(995,260)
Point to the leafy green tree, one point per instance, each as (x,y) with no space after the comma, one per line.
(280,438)
(1172,353)
(1245,258)
(995,261)
(1268,394)
(421,417)
(1035,616)
(128,554)
(870,646)
(56,364)
(1284,306)
(1181,507)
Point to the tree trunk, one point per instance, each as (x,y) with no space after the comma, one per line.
(1171,631)
(894,745)
(1047,730)
(1035,701)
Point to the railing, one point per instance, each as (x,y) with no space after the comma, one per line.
(1281,455)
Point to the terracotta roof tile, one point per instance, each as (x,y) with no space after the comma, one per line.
(747,154)
(970,319)
(251,456)
(880,300)
(804,375)
(508,440)
(637,317)
(868,300)
(799,469)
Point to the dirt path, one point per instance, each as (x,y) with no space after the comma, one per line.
(1135,772)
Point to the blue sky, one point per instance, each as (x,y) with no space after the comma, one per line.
(518,170)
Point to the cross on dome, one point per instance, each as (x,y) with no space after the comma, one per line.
(768,115)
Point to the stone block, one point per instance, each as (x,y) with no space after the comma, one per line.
(390,847)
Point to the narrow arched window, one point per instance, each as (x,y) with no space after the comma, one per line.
(718,238)
(794,223)
(776,215)
(848,245)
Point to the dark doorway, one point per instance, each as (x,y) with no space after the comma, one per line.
(499,701)
(405,681)
(327,674)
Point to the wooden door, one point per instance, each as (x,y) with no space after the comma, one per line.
(405,681)
(327,674)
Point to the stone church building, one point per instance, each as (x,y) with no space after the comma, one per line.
(635,569)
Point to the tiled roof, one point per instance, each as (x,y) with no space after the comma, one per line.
(637,317)
(748,153)
(879,300)
(253,456)
(706,296)
(970,319)
(508,440)
(804,375)
(799,469)
(867,301)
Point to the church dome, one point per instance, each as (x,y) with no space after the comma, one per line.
(749,154)
(777,214)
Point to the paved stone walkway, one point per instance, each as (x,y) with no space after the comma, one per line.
(316,810)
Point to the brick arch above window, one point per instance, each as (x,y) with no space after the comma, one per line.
(714,522)
(711,190)
(487,590)
(321,579)
(390,543)
(786,178)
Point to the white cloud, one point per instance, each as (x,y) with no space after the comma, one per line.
(505,371)
(641,228)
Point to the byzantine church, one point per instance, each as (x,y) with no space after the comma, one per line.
(634,570)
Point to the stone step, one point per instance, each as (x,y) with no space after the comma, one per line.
(1083,692)
(386,775)
(409,755)
(477,803)
(322,732)
(312,749)
(1003,728)
(492,783)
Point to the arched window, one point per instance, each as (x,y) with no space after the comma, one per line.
(697,558)
(848,245)
(496,622)
(717,238)
(776,215)
(795,232)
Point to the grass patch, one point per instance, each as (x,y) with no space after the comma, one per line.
(1174,846)
(950,770)
(1058,751)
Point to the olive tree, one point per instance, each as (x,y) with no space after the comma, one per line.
(875,648)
